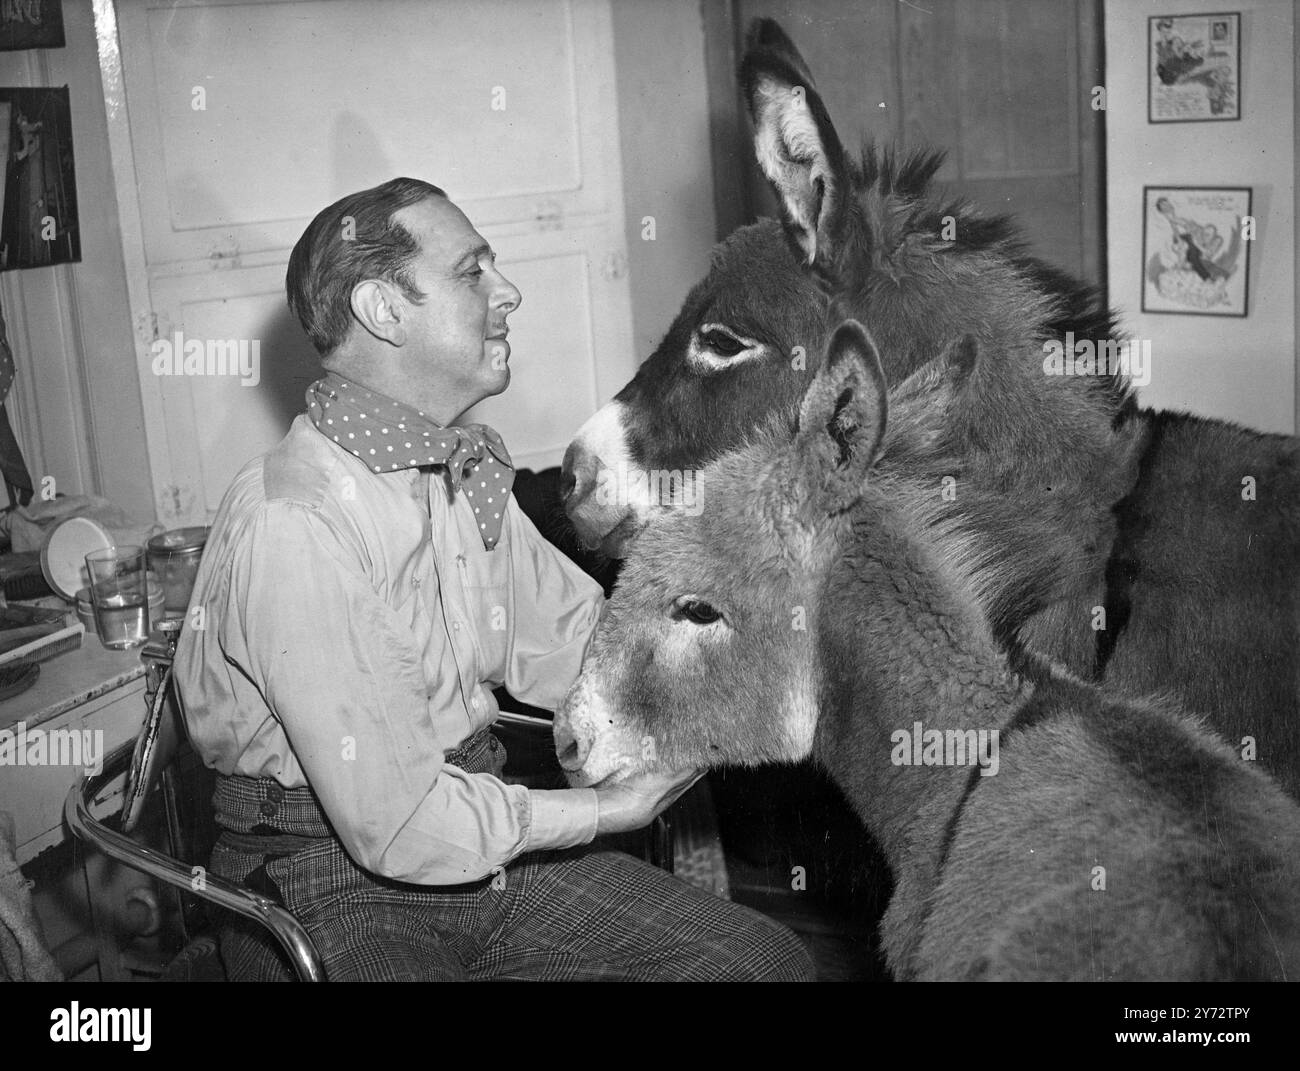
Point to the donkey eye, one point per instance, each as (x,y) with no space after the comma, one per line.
(723,343)
(696,611)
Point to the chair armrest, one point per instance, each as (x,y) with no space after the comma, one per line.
(525,721)
(291,934)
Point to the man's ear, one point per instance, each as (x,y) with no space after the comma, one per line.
(376,308)
(795,142)
(841,423)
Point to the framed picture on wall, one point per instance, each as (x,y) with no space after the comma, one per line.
(1196,249)
(38,217)
(1193,68)
(30,24)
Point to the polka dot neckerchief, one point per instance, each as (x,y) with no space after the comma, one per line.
(388,435)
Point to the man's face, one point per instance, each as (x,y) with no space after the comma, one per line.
(457,336)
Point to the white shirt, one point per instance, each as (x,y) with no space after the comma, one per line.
(354,627)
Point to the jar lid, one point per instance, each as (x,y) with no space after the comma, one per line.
(179,540)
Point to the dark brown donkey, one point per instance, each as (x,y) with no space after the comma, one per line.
(1037,827)
(1154,551)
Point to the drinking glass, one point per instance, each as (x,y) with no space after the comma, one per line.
(120,593)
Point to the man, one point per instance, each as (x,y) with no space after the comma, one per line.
(364,586)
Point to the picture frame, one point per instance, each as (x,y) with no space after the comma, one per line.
(31,24)
(1194,68)
(1196,250)
(38,211)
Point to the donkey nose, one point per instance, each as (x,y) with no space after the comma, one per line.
(571,751)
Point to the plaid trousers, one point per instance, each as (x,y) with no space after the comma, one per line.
(573,915)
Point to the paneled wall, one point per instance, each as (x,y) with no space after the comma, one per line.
(238,121)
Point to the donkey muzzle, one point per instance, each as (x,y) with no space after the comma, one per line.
(589,742)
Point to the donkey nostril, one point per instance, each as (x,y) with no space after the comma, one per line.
(577,474)
(571,751)
(568,482)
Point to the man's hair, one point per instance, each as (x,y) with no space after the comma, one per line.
(354,239)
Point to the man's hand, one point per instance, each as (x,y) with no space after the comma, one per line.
(634,802)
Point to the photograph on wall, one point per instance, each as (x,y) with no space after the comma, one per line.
(30,24)
(1196,250)
(1194,68)
(38,220)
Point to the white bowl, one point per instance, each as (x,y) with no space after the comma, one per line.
(63,555)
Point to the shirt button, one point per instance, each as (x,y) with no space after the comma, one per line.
(455,626)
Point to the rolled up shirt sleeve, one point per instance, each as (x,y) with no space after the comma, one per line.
(337,666)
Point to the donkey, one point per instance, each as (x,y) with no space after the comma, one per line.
(1153,551)
(1037,827)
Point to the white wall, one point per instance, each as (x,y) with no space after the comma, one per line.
(664,130)
(1237,369)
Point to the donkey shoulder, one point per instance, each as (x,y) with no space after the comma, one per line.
(1205,570)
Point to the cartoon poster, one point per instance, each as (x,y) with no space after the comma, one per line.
(1196,250)
(1194,68)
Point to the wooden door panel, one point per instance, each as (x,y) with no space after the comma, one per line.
(929,76)
(562,365)
(1016,92)
(463,87)
(997,84)
(570,342)
(225,190)
(1047,208)
(851,49)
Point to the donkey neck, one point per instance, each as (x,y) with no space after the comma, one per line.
(1032,471)
(905,650)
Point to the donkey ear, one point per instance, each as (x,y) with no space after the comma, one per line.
(842,421)
(766,35)
(795,141)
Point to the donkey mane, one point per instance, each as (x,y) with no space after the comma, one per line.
(922,448)
(897,202)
